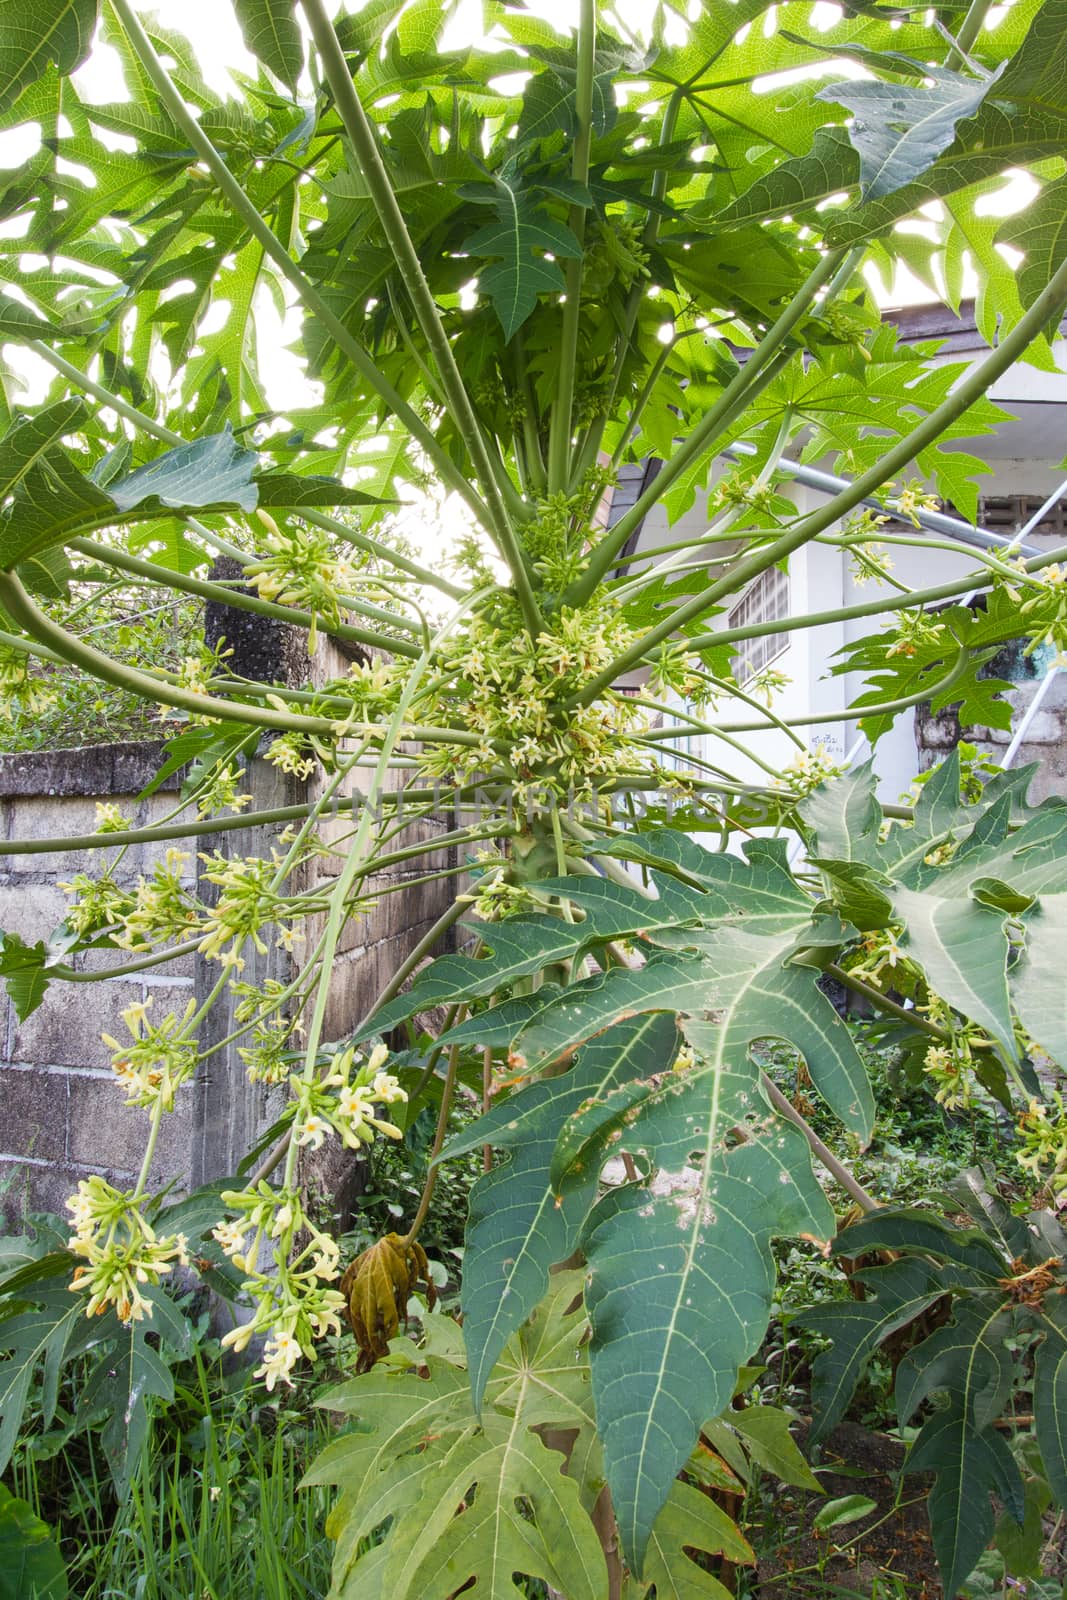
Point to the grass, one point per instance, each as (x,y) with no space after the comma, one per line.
(215,1511)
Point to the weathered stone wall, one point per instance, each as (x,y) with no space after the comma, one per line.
(1046,737)
(62,1116)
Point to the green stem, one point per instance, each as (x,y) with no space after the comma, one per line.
(1049,305)
(869,608)
(877,998)
(372,547)
(245,208)
(18,604)
(364,142)
(708,430)
(354,865)
(834,1167)
(536,470)
(559,441)
(128,968)
(156,1122)
(591,445)
(241,601)
(860,713)
(969,31)
(81,380)
(447,1091)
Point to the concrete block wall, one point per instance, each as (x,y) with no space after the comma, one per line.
(62,1116)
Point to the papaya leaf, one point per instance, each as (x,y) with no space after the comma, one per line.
(680,1276)
(745,978)
(896,1295)
(31,1566)
(212,471)
(41,1338)
(38,32)
(968,1465)
(967,1358)
(272,34)
(689,1522)
(516,244)
(1023,119)
(899,130)
(291,489)
(29,439)
(25,967)
(522,945)
(1050,1396)
(908,1228)
(830,167)
(517,1226)
(128,1373)
(471,1503)
(766,1435)
(1040,232)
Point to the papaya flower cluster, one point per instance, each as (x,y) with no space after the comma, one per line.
(301,568)
(288,1265)
(120,1251)
(1043,1135)
(247,903)
(163,911)
(159,1058)
(522,698)
(811,768)
(344,1101)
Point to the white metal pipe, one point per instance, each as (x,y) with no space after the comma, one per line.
(932,521)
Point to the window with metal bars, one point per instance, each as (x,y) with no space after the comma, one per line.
(1007,513)
(765,600)
(1002,513)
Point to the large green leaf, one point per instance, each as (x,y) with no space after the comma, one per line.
(472,1503)
(899,129)
(517,244)
(1040,232)
(45,1329)
(131,1373)
(830,167)
(523,945)
(681,1274)
(213,471)
(52,501)
(968,1467)
(1050,1396)
(272,34)
(959,879)
(518,1227)
(29,440)
(691,1522)
(1024,119)
(31,1566)
(36,32)
(747,977)
(968,1359)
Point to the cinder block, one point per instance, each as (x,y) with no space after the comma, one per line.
(33,1113)
(32,910)
(65,1029)
(104,1130)
(61,818)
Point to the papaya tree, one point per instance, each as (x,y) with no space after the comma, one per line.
(515,266)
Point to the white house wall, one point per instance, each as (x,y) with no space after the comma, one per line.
(820,580)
